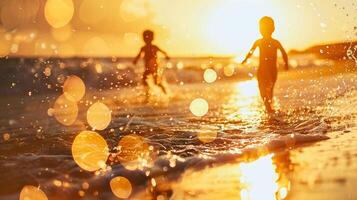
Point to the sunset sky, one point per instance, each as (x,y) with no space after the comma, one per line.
(182,27)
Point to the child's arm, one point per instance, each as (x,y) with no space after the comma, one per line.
(285,56)
(250,52)
(138,56)
(163,52)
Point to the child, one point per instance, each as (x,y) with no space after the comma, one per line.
(267,71)
(150,58)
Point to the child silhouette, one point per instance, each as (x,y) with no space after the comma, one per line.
(150,58)
(267,71)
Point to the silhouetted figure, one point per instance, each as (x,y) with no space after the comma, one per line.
(267,71)
(150,57)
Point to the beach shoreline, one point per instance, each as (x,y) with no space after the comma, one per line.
(310,106)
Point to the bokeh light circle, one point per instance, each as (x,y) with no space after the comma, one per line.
(59,13)
(121,187)
(74,88)
(99,116)
(65,111)
(132,149)
(90,151)
(199,107)
(207,136)
(210,75)
(30,192)
(228,70)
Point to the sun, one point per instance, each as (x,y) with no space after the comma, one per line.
(232,26)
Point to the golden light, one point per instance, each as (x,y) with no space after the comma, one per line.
(207,136)
(99,116)
(98,68)
(254,180)
(59,13)
(233,25)
(228,70)
(47,71)
(50,112)
(199,107)
(248,90)
(259,179)
(283,192)
(4,48)
(121,187)
(92,11)
(95,46)
(74,88)
(62,34)
(132,38)
(13,17)
(44,46)
(246,101)
(65,111)
(66,50)
(210,75)
(90,151)
(132,10)
(30,192)
(134,152)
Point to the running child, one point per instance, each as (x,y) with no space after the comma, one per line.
(267,71)
(150,58)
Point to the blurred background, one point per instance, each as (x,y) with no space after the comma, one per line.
(43,41)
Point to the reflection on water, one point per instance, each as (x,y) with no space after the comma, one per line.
(255,180)
(246,101)
(259,180)
(171,141)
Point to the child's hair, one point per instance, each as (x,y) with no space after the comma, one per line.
(148,36)
(267,26)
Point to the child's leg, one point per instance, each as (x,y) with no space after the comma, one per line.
(158,82)
(265,93)
(271,86)
(145,83)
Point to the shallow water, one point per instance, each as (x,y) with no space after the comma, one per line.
(38,151)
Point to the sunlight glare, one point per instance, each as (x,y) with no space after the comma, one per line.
(246,101)
(248,88)
(259,179)
(233,25)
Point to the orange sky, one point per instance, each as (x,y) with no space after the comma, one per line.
(183,27)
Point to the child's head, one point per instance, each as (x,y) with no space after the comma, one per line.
(148,36)
(267,26)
